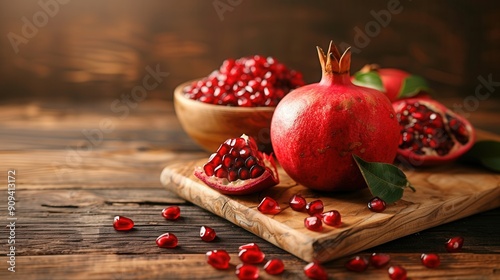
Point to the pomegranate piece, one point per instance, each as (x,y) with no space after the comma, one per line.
(122,223)
(379,260)
(315,271)
(246,82)
(171,213)
(397,272)
(167,240)
(297,202)
(249,246)
(377,205)
(269,206)
(247,272)
(218,259)
(430,260)
(251,256)
(238,168)
(207,233)
(454,244)
(274,266)
(313,223)
(314,207)
(430,133)
(331,218)
(357,264)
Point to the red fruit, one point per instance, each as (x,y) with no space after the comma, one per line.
(454,244)
(246,82)
(331,218)
(167,240)
(297,202)
(431,133)
(269,206)
(122,223)
(317,128)
(314,207)
(274,266)
(397,272)
(251,256)
(247,271)
(249,246)
(219,259)
(430,260)
(315,271)
(379,260)
(207,233)
(357,264)
(377,205)
(313,223)
(238,167)
(171,213)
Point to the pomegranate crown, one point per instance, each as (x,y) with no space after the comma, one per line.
(333,62)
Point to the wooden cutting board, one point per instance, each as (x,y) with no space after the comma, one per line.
(443,194)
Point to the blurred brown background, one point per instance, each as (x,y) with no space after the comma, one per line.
(93,49)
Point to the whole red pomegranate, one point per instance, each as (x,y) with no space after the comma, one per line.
(316,128)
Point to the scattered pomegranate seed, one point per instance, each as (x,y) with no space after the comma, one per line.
(251,256)
(171,213)
(314,207)
(313,223)
(315,271)
(379,260)
(331,218)
(454,244)
(249,246)
(122,223)
(357,264)
(430,260)
(219,259)
(376,205)
(297,203)
(247,272)
(397,272)
(269,206)
(207,233)
(274,266)
(167,240)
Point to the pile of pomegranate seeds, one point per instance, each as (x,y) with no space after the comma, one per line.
(315,210)
(246,82)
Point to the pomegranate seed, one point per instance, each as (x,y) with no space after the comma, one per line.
(397,272)
(331,218)
(269,206)
(357,264)
(297,203)
(454,244)
(171,213)
(274,266)
(122,223)
(218,259)
(251,256)
(376,205)
(207,233)
(249,246)
(167,240)
(313,223)
(247,271)
(430,260)
(315,271)
(379,260)
(314,207)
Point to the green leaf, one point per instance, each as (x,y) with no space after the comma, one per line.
(412,85)
(485,153)
(369,80)
(384,180)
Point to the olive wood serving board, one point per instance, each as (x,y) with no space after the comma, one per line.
(443,194)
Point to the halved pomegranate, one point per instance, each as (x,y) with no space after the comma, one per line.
(238,168)
(431,133)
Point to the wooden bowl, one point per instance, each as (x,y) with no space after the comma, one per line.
(210,125)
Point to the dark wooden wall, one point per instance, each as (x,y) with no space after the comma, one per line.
(93,49)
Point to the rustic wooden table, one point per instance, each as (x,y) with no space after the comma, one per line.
(78,165)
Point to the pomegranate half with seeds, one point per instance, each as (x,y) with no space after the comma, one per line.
(431,133)
(238,168)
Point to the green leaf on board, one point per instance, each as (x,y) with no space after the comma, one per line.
(485,153)
(412,85)
(369,80)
